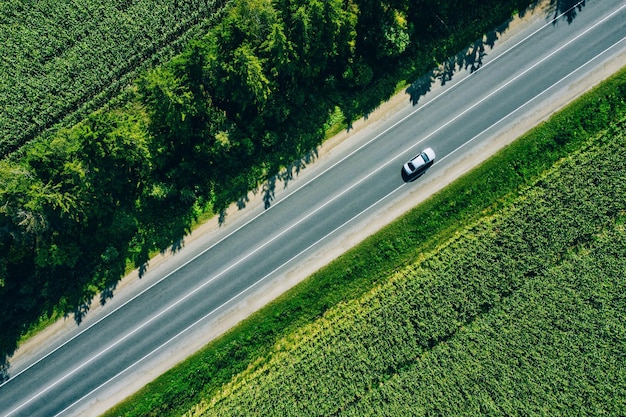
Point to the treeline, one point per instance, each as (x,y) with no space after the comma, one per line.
(200,132)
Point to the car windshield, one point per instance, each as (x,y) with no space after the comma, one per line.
(425,157)
(412,165)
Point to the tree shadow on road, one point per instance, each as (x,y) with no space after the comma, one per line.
(4,370)
(268,189)
(565,10)
(288,174)
(471,59)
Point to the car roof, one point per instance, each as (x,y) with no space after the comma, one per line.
(418,160)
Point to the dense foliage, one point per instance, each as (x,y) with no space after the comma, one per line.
(520,313)
(66,233)
(194,134)
(63,58)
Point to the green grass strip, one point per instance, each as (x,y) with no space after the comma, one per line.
(486,188)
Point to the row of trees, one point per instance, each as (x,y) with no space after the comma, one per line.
(255,92)
(200,132)
(68,218)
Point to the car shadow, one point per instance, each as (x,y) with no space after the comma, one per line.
(411,178)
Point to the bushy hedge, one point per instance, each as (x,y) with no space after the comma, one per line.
(489,272)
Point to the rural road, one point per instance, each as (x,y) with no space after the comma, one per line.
(352,189)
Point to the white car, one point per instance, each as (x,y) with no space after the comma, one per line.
(418,164)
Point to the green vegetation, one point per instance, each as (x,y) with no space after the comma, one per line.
(62,59)
(517,231)
(81,203)
(555,345)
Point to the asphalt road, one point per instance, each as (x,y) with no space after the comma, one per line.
(173,308)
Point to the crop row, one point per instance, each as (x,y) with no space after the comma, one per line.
(509,260)
(61,56)
(554,346)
